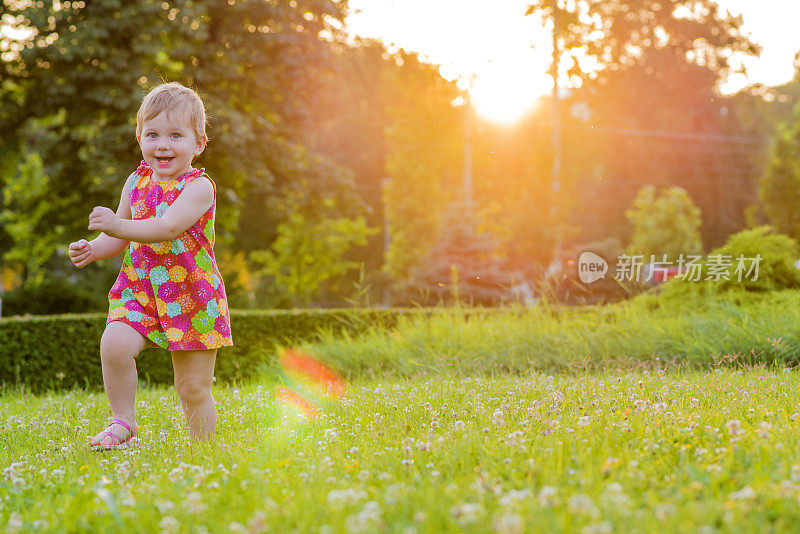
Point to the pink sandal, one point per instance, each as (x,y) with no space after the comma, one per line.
(116,441)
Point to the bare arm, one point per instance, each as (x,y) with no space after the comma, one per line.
(83,252)
(191,204)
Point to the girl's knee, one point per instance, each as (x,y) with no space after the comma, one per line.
(120,343)
(193,390)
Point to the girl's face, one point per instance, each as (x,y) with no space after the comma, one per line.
(169,144)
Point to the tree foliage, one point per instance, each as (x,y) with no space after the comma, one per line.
(647,74)
(463,265)
(308,252)
(74,74)
(424,160)
(665,224)
(779,187)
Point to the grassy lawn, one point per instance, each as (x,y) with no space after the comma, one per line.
(684,333)
(615,451)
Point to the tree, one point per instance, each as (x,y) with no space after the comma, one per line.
(779,187)
(309,252)
(513,191)
(648,72)
(667,224)
(424,160)
(23,207)
(350,122)
(73,75)
(463,265)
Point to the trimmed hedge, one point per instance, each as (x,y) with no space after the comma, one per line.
(63,351)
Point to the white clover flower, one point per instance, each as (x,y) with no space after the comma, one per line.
(764,429)
(663,511)
(164,506)
(514,438)
(582,504)
(257,523)
(744,494)
(584,421)
(497,417)
(467,513)
(548,496)
(598,528)
(513,496)
(15,522)
(508,524)
(734,427)
(367,520)
(339,498)
(168,524)
(194,503)
(795,472)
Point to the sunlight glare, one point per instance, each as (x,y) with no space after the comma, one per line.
(499,55)
(503,94)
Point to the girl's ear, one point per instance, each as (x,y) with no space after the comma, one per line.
(201,145)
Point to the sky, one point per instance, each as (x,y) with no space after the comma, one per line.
(502,56)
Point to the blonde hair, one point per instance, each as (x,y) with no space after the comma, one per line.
(172,97)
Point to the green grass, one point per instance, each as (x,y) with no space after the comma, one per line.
(628,451)
(647,331)
(642,416)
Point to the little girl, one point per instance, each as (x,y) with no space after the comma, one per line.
(169,292)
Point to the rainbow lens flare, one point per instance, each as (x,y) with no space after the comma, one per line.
(308,385)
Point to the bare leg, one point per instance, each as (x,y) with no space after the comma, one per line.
(119,347)
(194,373)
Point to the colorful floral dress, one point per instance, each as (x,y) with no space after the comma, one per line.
(171,292)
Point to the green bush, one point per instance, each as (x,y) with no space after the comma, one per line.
(53,296)
(63,351)
(776,269)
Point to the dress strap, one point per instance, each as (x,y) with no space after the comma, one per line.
(144,169)
(189,176)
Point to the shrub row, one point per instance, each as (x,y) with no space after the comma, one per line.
(63,351)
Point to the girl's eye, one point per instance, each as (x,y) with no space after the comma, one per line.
(151,135)
(176,135)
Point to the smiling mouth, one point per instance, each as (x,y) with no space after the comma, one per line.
(163,160)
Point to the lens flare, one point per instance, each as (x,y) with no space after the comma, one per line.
(308,384)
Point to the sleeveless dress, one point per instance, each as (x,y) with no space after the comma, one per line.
(171,292)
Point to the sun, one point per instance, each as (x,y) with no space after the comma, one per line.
(501,96)
(502,55)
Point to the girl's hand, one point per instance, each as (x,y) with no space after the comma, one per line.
(81,253)
(105,220)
